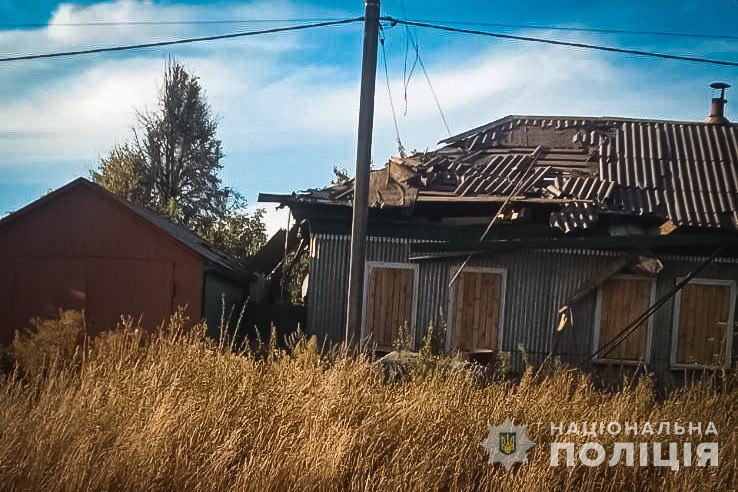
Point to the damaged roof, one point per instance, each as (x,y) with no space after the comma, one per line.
(686,172)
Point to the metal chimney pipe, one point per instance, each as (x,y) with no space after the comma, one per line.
(717,106)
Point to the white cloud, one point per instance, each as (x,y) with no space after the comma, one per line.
(287,118)
(80,107)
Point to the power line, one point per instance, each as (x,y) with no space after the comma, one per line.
(432,90)
(326,19)
(160,23)
(388,19)
(180,41)
(407,76)
(583,29)
(419,60)
(563,43)
(400,147)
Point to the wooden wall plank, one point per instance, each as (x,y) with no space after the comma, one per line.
(389,303)
(476,308)
(622,300)
(703,317)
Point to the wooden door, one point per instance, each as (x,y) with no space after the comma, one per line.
(622,300)
(476,310)
(704,313)
(389,305)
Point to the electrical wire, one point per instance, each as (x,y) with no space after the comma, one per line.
(181,41)
(400,147)
(432,21)
(406,76)
(582,29)
(432,90)
(563,43)
(419,59)
(158,23)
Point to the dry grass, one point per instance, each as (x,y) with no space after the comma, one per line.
(173,411)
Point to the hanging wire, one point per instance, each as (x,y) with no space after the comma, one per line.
(611,49)
(418,61)
(433,91)
(178,41)
(406,79)
(400,147)
(406,76)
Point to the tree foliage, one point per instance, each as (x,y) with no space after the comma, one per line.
(172,167)
(123,171)
(182,152)
(340,175)
(239,234)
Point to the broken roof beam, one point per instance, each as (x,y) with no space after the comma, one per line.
(274,251)
(274,198)
(613,268)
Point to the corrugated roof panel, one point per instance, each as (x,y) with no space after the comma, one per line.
(500,175)
(694,164)
(574,215)
(683,171)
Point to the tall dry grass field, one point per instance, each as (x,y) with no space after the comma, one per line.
(173,411)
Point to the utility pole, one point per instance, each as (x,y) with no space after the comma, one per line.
(361,179)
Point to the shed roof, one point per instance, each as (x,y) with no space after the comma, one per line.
(184,236)
(686,172)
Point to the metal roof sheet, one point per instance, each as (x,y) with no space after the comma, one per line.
(686,172)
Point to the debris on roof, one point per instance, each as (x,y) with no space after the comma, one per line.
(272,253)
(685,172)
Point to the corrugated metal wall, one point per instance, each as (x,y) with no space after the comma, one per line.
(538,283)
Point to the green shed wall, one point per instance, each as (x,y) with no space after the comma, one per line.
(223,300)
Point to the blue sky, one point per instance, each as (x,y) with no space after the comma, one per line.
(287,103)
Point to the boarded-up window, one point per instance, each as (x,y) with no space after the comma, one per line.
(477,308)
(621,301)
(704,313)
(389,303)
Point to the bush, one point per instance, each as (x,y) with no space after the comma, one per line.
(51,342)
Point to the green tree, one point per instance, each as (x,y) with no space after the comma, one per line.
(172,167)
(178,141)
(237,233)
(340,176)
(123,171)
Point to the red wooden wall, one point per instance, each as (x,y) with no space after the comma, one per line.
(81,249)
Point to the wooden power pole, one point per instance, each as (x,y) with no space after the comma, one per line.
(361,180)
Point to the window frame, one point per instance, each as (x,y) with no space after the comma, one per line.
(676,318)
(598,323)
(451,328)
(371,265)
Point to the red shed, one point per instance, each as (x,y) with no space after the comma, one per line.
(81,247)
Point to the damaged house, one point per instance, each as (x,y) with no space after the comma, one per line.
(595,224)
